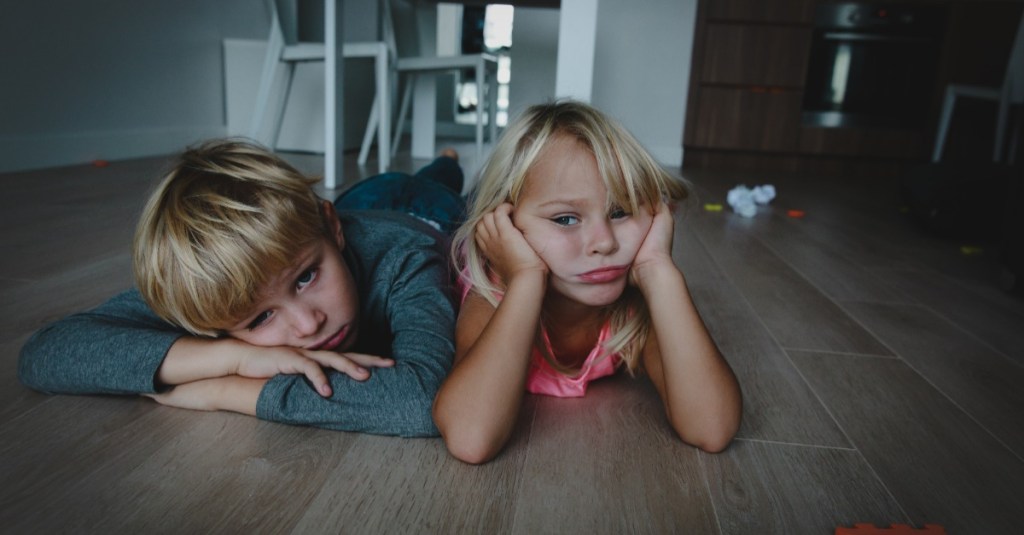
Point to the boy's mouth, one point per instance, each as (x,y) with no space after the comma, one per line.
(334,341)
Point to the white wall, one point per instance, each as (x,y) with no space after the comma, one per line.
(123,78)
(534,58)
(640,72)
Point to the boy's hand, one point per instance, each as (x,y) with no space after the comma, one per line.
(266,362)
(656,250)
(506,248)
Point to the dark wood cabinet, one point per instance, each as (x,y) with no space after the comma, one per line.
(758,118)
(748,77)
(748,72)
(755,55)
(785,11)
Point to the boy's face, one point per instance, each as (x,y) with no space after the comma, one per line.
(313,304)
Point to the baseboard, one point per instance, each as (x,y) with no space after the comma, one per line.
(57,150)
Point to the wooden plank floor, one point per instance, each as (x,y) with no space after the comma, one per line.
(881,370)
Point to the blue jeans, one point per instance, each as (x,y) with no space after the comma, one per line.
(433,193)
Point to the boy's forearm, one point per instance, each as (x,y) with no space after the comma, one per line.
(193,359)
(232,393)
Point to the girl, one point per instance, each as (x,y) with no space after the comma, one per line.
(567,275)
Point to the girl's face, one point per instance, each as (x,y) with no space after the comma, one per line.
(563,213)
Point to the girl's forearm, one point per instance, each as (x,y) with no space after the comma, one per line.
(477,406)
(699,390)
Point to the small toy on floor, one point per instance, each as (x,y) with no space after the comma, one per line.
(895,529)
(744,200)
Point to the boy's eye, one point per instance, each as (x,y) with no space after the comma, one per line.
(259,320)
(617,213)
(566,220)
(306,278)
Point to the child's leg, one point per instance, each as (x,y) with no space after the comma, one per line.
(444,169)
(426,195)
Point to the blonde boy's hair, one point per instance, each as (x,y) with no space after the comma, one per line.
(630,174)
(228,218)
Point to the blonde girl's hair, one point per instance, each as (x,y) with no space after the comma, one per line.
(227,219)
(631,176)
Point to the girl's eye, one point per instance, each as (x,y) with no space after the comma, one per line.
(259,320)
(306,278)
(617,213)
(566,220)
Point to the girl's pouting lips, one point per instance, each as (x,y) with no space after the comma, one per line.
(333,341)
(605,274)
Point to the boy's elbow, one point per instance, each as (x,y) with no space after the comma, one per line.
(28,364)
(419,419)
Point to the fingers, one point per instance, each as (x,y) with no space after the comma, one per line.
(353,365)
(318,378)
(370,361)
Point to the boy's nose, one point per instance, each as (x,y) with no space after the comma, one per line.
(602,238)
(306,320)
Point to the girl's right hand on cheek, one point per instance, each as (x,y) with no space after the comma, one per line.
(504,245)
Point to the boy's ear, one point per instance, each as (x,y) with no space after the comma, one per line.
(333,223)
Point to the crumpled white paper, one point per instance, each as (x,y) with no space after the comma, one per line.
(744,200)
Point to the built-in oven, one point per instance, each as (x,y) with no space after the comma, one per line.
(872,64)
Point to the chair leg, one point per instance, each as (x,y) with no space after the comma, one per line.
(492,105)
(384,103)
(1001,120)
(279,116)
(371,127)
(402,110)
(1011,157)
(275,44)
(481,73)
(947,115)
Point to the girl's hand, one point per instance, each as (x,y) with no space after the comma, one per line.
(507,250)
(656,251)
(266,362)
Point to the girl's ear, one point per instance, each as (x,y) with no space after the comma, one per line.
(333,224)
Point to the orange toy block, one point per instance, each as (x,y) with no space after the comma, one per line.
(895,529)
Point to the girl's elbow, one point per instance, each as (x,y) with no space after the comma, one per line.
(469,443)
(715,444)
(469,450)
(710,439)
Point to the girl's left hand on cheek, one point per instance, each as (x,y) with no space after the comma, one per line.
(656,248)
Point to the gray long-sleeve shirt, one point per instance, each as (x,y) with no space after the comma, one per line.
(406,309)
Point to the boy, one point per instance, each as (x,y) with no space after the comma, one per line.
(249,286)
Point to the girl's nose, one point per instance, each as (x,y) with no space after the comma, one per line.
(602,238)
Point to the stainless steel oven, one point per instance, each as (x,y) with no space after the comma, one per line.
(872,64)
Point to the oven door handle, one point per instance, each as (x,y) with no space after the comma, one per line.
(874,37)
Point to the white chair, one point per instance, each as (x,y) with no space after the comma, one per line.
(402,36)
(1012,91)
(283,46)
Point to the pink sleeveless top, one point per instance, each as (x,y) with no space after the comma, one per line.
(544,379)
